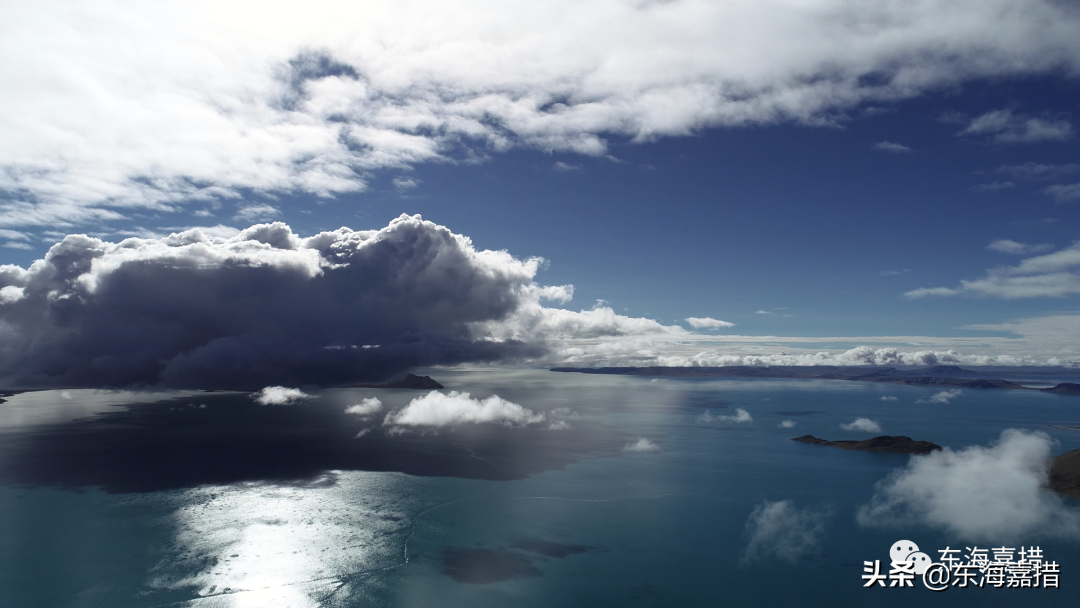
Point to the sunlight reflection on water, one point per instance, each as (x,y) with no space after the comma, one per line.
(255,545)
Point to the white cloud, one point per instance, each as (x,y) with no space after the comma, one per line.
(366,407)
(1064,192)
(1060,332)
(1010,246)
(707,323)
(990,494)
(1005,127)
(404,184)
(641,445)
(860,355)
(279,395)
(584,337)
(220,232)
(1035,171)
(562,167)
(437,410)
(993,187)
(17,245)
(889,398)
(1051,340)
(888,146)
(780,530)
(256,213)
(117,109)
(563,412)
(864,425)
(11,294)
(740,416)
(1050,275)
(945,396)
(764,312)
(787,424)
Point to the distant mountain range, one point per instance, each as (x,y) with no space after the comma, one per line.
(936,375)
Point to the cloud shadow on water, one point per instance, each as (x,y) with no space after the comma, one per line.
(179,443)
(548,548)
(480,565)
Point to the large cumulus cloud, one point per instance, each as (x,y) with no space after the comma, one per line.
(262,307)
(265,307)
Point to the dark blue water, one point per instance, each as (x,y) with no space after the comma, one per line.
(120,499)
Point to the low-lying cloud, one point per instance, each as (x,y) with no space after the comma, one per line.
(707,323)
(740,416)
(945,396)
(279,395)
(864,425)
(642,445)
(366,407)
(782,531)
(437,409)
(995,494)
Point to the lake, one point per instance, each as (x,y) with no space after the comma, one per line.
(632,492)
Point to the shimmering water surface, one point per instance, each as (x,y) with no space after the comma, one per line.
(207,499)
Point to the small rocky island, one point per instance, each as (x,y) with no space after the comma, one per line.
(409,381)
(886,443)
(1065,388)
(1065,474)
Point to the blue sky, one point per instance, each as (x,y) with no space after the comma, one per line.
(804,182)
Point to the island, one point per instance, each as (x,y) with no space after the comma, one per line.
(1065,474)
(946,376)
(409,381)
(885,443)
(1065,388)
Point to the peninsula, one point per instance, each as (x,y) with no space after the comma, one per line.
(886,443)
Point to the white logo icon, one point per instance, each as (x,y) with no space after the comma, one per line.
(901,549)
(922,562)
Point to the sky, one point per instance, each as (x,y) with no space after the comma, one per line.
(813,181)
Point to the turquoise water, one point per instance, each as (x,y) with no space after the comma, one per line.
(207,500)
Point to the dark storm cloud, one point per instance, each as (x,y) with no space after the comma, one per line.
(263,307)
